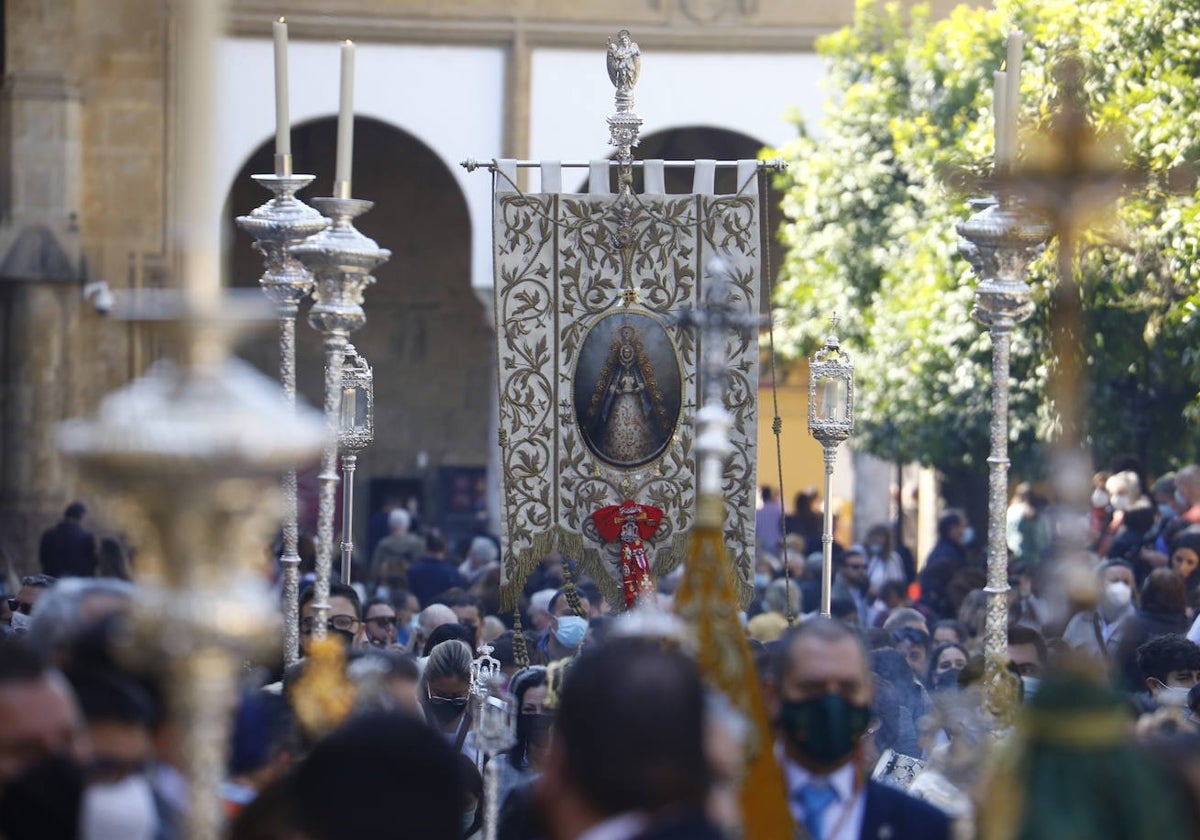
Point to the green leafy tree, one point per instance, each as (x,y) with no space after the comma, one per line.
(870,229)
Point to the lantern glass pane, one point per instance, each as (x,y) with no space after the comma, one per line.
(360,407)
(831,399)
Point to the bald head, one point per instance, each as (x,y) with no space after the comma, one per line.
(434,616)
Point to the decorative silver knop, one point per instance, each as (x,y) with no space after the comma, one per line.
(624,66)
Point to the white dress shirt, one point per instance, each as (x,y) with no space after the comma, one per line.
(844,818)
(620,827)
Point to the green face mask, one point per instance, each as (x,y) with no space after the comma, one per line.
(825,729)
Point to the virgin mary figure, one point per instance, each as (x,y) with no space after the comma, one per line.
(627,418)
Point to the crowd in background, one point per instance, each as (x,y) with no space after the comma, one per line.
(88,746)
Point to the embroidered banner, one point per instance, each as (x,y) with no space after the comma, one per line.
(598,384)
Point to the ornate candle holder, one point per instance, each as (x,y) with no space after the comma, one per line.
(341,260)
(356,434)
(276,226)
(192,451)
(1000,241)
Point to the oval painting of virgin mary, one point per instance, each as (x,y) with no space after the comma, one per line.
(628,389)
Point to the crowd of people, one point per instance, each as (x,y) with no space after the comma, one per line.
(876,712)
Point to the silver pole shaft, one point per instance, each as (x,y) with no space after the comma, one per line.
(335,351)
(349,462)
(996,633)
(827,535)
(291,528)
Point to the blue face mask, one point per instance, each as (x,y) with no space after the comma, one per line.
(1031,686)
(1166,511)
(761,579)
(570,631)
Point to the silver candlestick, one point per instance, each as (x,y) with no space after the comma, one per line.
(830,421)
(341,260)
(495,732)
(357,433)
(999,241)
(276,226)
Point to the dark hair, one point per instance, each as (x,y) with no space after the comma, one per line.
(435,544)
(336,588)
(19,662)
(1140,516)
(897,587)
(949,519)
(75,510)
(840,608)
(398,597)
(460,599)
(633,704)
(1022,635)
(1194,699)
(107,695)
(1163,654)
(379,765)
(960,629)
(767,493)
(522,681)
(825,629)
(1163,592)
(445,632)
(937,652)
(376,602)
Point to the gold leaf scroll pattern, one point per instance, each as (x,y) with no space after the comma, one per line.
(524,236)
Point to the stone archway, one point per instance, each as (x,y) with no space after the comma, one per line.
(426,334)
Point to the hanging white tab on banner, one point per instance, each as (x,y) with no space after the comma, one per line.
(506,175)
(598,177)
(551,176)
(704,177)
(655,182)
(746,171)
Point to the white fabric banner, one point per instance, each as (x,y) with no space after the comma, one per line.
(598,383)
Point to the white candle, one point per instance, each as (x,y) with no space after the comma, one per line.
(198,213)
(283,132)
(345,128)
(1000,122)
(1012,102)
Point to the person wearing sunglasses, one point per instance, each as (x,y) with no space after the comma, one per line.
(31,591)
(345,615)
(379,623)
(445,691)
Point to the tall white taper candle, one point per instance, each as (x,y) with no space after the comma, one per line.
(197,230)
(283,129)
(345,126)
(1012,102)
(1000,126)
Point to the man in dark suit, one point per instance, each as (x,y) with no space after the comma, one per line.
(627,761)
(820,691)
(67,550)
(433,574)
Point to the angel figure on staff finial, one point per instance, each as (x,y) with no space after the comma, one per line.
(624,61)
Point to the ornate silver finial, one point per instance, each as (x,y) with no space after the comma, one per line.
(624,67)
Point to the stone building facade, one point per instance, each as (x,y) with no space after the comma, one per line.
(86,188)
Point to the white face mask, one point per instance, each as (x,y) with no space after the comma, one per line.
(1031,686)
(1172,695)
(21,622)
(124,809)
(1117,594)
(1099,498)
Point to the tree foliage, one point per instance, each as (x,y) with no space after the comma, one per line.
(870,228)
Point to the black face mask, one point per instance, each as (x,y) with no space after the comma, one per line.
(533,730)
(946,681)
(825,729)
(442,710)
(43,803)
